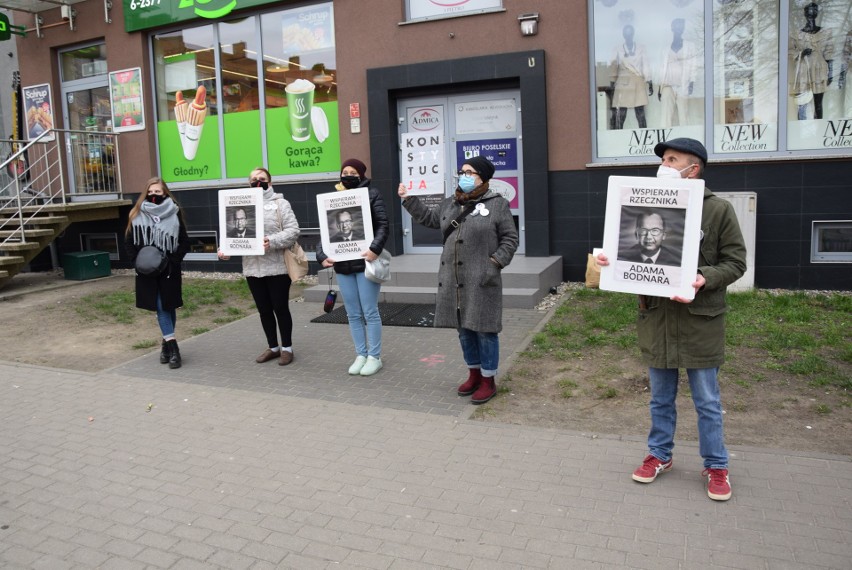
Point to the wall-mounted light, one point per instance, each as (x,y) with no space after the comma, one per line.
(529,23)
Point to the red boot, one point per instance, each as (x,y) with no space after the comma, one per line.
(486,391)
(473,382)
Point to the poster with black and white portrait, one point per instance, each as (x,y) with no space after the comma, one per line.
(346,227)
(652,233)
(241,221)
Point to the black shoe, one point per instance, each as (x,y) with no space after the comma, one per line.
(165,352)
(174,358)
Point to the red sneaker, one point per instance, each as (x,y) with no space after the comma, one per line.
(718,485)
(650,468)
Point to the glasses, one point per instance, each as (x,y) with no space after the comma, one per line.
(467,173)
(653,232)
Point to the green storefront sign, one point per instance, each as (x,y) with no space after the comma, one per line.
(144,14)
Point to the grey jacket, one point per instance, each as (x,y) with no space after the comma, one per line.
(470,287)
(282,229)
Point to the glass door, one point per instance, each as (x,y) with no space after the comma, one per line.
(86,112)
(90,156)
(438,133)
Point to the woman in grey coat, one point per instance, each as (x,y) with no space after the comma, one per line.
(480,239)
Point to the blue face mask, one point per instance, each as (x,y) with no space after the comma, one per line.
(467,183)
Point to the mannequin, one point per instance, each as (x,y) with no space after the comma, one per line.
(844,70)
(678,76)
(628,83)
(812,50)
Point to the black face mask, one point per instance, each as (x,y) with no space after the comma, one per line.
(259,184)
(156,198)
(350,182)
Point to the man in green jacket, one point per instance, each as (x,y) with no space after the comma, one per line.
(678,333)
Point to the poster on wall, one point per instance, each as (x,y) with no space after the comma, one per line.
(346,226)
(445,8)
(241,221)
(423,169)
(38,110)
(652,233)
(125,96)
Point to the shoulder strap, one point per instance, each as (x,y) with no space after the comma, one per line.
(457,221)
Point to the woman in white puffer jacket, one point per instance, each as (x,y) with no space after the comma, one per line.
(267,275)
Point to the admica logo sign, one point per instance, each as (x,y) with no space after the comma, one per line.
(426,119)
(145,14)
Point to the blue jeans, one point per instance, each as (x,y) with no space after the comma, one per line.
(166,319)
(480,350)
(361,299)
(708,406)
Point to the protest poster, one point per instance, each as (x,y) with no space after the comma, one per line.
(346,226)
(423,169)
(241,221)
(652,233)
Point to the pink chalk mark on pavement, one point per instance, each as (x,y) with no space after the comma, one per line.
(432,360)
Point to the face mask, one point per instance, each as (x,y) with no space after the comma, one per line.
(467,183)
(259,184)
(350,182)
(156,198)
(668,172)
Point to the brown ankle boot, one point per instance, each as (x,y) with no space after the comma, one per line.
(486,391)
(473,382)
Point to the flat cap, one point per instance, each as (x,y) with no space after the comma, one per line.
(689,146)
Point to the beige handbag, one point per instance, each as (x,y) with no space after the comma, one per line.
(296,262)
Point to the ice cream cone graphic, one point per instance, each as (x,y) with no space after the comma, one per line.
(195,114)
(180,116)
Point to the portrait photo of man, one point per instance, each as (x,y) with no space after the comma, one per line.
(242,224)
(646,243)
(347,227)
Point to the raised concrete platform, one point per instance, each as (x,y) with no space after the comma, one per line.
(414,279)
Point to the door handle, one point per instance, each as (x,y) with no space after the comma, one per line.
(406,231)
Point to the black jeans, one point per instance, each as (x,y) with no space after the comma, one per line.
(272,296)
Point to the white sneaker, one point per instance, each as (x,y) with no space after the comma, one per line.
(356,367)
(372,366)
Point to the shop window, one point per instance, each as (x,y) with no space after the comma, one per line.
(831,241)
(271,97)
(772,63)
(648,75)
(819,110)
(83,63)
(100,242)
(745,73)
(202,246)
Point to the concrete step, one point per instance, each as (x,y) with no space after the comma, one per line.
(6,260)
(3,273)
(30,233)
(414,279)
(18,246)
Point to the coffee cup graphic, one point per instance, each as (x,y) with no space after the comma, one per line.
(300,101)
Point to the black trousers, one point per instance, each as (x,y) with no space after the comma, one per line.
(272,296)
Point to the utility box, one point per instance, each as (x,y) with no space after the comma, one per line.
(745,206)
(82,265)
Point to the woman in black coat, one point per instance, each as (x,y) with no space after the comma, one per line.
(157,220)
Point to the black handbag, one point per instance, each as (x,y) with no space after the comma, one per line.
(151,261)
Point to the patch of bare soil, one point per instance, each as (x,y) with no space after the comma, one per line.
(42,324)
(605,391)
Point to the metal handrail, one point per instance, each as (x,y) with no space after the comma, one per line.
(45,171)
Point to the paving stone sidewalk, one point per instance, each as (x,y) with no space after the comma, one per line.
(240,465)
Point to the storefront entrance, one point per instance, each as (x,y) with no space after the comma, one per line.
(487,124)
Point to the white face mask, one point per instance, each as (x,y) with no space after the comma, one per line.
(668,172)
